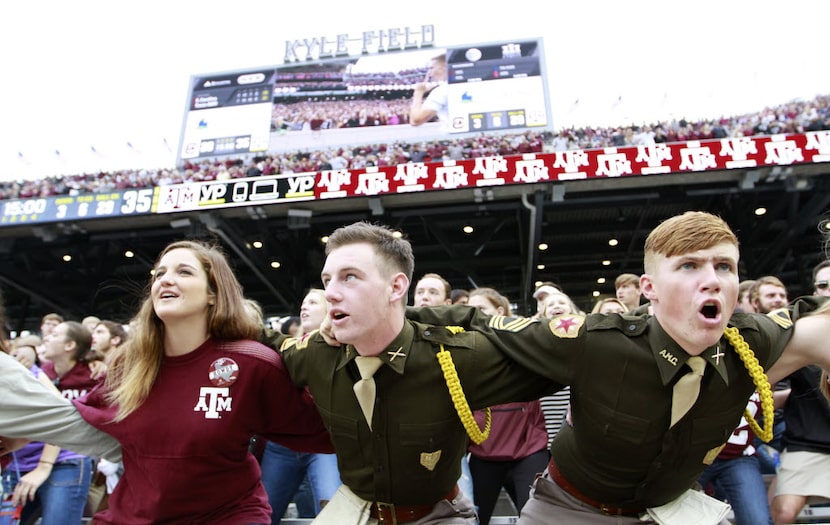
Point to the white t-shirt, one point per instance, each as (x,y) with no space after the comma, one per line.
(437,101)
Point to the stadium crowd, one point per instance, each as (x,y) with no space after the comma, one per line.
(63,350)
(792,117)
(68,355)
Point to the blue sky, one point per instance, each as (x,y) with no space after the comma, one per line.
(114,76)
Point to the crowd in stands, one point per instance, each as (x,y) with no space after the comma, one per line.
(314,114)
(792,117)
(506,461)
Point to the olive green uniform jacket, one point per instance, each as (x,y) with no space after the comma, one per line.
(621,369)
(412,455)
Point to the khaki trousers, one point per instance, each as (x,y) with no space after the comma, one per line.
(346,508)
(550,505)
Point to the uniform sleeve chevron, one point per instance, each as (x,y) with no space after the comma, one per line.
(781,317)
(509,324)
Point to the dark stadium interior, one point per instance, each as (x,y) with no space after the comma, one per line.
(576,219)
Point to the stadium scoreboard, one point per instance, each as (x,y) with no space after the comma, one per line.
(497,87)
(493,86)
(228,114)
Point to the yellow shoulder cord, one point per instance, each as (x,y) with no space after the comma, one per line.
(477,435)
(756,372)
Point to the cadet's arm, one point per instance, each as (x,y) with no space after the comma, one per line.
(808,346)
(29,409)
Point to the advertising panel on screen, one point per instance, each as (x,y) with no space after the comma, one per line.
(228,114)
(496,87)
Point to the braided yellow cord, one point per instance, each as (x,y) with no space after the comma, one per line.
(756,372)
(476,434)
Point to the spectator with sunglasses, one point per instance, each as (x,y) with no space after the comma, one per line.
(821,278)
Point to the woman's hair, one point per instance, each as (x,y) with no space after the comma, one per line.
(598,306)
(136,363)
(495,298)
(81,336)
(115,330)
(322,295)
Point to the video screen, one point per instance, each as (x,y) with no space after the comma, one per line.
(366,99)
(494,86)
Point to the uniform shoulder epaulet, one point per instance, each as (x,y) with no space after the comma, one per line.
(449,335)
(300,343)
(630,325)
(805,305)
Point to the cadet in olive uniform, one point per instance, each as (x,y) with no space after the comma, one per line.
(621,457)
(404,466)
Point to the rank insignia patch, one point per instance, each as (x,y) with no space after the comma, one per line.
(566,326)
(430,459)
(510,324)
(781,317)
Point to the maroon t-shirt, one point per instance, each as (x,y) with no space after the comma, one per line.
(517,431)
(75,383)
(185,449)
(741,441)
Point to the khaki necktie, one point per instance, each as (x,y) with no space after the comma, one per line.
(364,390)
(687,389)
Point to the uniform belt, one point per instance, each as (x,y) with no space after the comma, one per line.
(391,514)
(565,485)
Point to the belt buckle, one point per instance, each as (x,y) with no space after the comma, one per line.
(390,507)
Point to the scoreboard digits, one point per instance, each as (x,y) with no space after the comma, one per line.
(497,120)
(67,208)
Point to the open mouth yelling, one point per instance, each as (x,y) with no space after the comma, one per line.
(711,311)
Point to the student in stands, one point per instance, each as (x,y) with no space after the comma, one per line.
(54,482)
(185,394)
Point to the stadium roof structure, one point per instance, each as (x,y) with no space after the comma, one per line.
(574,218)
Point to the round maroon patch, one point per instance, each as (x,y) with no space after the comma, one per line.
(223,372)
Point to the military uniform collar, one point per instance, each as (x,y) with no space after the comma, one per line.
(670,357)
(394,356)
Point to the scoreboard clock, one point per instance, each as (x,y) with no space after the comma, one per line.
(76,207)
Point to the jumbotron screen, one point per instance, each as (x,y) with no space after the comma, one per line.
(356,100)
